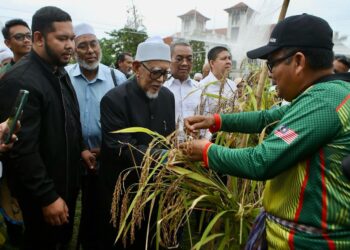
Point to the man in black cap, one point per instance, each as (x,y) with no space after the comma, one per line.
(306,197)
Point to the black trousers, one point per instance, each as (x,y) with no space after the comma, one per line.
(39,235)
(106,232)
(89,212)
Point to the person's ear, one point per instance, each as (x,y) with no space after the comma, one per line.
(136,66)
(38,39)
(299,62)
(7,43)
(211,63)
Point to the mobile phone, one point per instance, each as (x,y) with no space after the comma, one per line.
(16,112)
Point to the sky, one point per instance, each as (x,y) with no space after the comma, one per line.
(160,16)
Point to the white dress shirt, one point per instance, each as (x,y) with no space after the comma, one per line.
(187,97)
(211,85)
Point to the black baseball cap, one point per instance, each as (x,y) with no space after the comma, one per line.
(305,31)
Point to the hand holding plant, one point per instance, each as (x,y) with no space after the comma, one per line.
(193,123)
(193,149)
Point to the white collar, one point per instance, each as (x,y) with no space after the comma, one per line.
(188,81)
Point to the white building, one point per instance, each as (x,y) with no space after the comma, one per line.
(236,35)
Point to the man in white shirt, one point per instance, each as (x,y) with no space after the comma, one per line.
(216,84)
(186,90)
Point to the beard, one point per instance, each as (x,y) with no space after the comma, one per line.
(152,95)
(54,57)
(89,66)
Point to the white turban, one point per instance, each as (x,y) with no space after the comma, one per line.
(83,29)
(152,49)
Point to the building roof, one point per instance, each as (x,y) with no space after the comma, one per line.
(240,5)
(194,13)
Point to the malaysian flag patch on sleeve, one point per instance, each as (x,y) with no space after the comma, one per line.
(286,134)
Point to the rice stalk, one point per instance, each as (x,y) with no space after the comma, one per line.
(176,189)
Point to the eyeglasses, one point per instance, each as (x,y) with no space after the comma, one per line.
(155,73)
(22,36)
(273,63)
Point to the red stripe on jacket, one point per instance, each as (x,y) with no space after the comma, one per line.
(300,204)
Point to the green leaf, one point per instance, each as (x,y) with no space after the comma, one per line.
(207,239)
(195,202)
(193,175)
(252,97)
(139,130)
(207,230)
(228,232)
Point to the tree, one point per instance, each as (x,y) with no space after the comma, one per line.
(108,53)
(198,48)
(134,19)
(125,39)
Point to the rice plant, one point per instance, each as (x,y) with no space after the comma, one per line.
(213,211)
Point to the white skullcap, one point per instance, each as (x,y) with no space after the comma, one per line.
(152,49)
(5,53)
(198,75)
(83,29)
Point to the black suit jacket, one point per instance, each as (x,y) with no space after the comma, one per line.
(44,164)
(128,106)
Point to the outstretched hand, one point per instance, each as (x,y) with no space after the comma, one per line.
(193,123)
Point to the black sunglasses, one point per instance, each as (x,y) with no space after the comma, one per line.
(272,63)
(22,36)
(156,73)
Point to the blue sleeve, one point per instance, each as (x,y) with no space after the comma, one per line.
(121,78)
